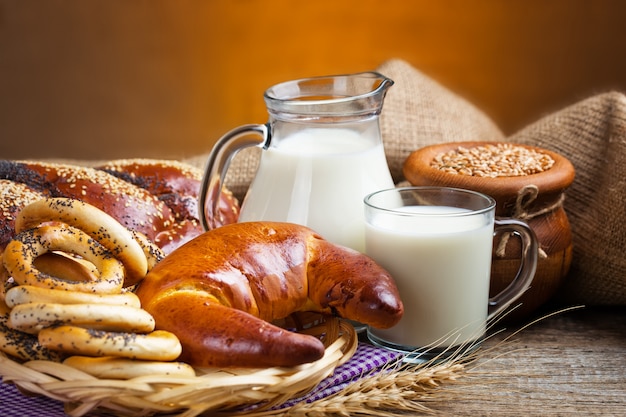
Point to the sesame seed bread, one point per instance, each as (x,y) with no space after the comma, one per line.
(156,198)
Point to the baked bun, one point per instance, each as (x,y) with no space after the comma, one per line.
(13,197)
(153,197)
(219,292)
(177,185)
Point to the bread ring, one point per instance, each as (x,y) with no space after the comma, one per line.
(159,345)
(33,317)
(21,345)
(93,221)
(121,368)
(23,294)
(154,254)
(21,252)
(24,346)
(6,280)
(65,266)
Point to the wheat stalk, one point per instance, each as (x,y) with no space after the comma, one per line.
(394,391)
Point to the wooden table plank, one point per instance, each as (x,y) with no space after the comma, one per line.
(570,364)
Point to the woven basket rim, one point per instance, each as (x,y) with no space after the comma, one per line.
(211,390)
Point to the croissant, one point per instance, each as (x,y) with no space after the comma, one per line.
(220,292)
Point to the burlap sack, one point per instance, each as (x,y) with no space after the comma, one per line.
(418,112)
(592,134)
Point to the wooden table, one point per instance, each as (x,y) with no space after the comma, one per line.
(573,363)
(570,364)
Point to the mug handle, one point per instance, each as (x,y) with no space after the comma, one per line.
(527,269)
(219,159)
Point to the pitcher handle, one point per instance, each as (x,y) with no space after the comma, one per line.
(219,159)
(526,271)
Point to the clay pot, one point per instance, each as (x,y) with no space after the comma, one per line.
(535,198)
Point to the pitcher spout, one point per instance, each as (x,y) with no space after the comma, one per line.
(381,84)
(350,95)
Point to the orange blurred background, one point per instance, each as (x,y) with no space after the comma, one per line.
(104,79)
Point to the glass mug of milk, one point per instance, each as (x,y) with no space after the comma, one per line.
(322,154)
(437,244)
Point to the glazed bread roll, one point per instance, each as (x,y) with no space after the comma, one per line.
(219,292)
(177,185)
(174,183)
(154,197)
(133,207)
(13,197)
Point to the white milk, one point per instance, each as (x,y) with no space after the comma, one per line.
(442,268)
(318,178)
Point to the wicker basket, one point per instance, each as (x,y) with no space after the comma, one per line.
(211,390)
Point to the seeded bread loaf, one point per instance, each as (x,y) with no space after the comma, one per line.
(155,198)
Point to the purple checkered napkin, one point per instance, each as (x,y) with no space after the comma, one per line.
(366,359)
(15,404)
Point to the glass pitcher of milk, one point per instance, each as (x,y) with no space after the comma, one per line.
(322,154)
